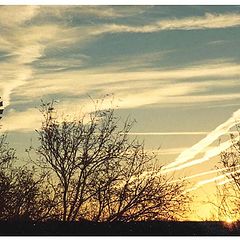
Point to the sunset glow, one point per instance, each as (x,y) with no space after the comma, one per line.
(175,69)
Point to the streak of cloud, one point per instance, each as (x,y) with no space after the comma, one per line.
(215,151)
(207,181)
(208,21)
(205,173)
(165,133)
(205,142)
(226,181)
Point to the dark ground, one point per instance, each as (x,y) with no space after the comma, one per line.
(154,228)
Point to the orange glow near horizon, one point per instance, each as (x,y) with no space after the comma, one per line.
(229,220)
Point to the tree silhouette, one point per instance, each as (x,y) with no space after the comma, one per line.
(100,173)
(229,194)
(23,192)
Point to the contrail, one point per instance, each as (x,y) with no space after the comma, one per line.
(204,182)
(203,174)
(165,133)
(208,154)
(209,139)
(226,181)
(200,146)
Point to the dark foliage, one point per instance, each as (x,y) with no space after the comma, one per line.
(150,228)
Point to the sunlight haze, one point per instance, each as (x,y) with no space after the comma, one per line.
(175,69)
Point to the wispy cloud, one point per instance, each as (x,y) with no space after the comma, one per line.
(123,84)
(22,121)
(11,16)
(27,43)
(208,21)
(27,38)
(88,11)
(162,91)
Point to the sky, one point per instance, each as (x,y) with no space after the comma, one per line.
(175,69)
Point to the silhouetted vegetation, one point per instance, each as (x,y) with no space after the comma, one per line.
(229,193)
(133,228)
(87,177)
(23,194)
(87,168)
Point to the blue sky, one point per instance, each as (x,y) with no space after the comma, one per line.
(175,69)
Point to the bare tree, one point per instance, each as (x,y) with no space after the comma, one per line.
(23,195)
(134,189)
(229,193)
(102,174)
(6,157)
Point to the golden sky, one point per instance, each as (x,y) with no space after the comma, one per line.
(175,69)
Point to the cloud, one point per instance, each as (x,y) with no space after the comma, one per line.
(217,42)
(208,21)
(165,85)
(90,12)
(25,45)
(202,22)
(22,121)
(27,39)
(16,15)
(166,88)
(209,139)
(97,11)
(135,60)
(15,42)
(108,12)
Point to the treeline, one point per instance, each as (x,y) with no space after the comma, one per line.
(87,168)
(133,228)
